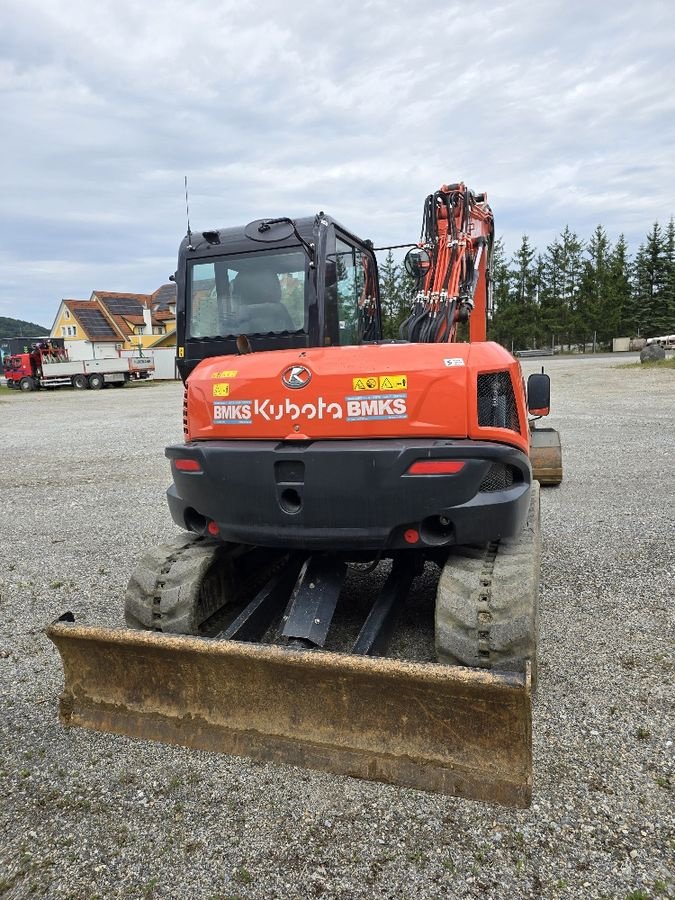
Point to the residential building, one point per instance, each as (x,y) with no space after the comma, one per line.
(111,322)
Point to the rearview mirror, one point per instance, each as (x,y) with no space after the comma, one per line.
(539,394)
(417,263)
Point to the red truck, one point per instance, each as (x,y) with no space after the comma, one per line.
(47,365)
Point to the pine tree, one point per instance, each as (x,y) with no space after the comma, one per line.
(551,310)
(393,311)
(650,298)
(522,308)
(594,298)
(500,293)
(669,304)
(569,272)
(541,336)
(619,290)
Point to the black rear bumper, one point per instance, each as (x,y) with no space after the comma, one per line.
(350,495)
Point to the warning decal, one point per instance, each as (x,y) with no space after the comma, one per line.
(228,374)
(393,382)
(221,390)
(365,383)
(380,383)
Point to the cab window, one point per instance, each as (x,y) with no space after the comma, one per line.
(249,294)
(356,312)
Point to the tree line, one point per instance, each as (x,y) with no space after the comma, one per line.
(18,328)
(577,293)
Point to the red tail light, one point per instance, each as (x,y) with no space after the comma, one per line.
(435,467)
(187,465)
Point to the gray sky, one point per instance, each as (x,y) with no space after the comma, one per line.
(563,112)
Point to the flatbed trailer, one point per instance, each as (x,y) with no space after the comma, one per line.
(49,367)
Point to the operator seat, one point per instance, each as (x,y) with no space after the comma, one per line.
(260,309)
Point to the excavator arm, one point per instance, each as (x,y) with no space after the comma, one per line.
(451,265)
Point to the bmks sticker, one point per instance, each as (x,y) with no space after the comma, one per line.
(377,406)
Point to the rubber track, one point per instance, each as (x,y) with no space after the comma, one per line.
(487,601)
(180,585)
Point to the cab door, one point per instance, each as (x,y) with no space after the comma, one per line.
(352,310)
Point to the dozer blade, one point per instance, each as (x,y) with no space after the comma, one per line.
(546,455)
(440,728)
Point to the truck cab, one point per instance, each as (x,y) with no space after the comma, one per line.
(19,370)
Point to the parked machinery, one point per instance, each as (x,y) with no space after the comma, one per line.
(313,449)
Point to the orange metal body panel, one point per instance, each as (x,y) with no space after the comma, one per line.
(370,391)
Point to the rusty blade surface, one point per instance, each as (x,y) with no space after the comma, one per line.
(440,728)
(546,455)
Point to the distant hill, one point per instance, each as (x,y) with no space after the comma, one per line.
(19,328)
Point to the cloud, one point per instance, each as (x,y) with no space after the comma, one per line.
(562,111)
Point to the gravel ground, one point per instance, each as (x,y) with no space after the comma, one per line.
(85,814)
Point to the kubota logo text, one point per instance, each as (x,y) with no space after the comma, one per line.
(296,377)
(353,409)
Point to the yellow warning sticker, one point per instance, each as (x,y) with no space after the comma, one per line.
(365,383)
(221,390)
(181,352)
(380,383)
(393,382)
(228,374)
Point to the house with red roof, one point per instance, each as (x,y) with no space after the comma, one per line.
(111,322)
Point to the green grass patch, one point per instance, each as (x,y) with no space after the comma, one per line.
(652,364)
(243,876)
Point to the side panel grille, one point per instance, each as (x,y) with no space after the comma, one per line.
(496,402)
(185,413)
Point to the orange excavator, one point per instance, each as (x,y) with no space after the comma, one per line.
(327,478)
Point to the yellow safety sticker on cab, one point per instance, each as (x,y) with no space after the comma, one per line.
(380,383)
(227,374)
(221,390)
(181,352)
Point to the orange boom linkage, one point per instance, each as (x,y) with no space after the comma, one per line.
(453,261)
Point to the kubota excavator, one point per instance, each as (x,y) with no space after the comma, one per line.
(314,451)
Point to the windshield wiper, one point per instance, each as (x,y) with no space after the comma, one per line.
(265,225)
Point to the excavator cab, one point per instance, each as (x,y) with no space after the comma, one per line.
(282,284)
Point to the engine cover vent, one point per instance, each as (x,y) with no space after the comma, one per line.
(497,402)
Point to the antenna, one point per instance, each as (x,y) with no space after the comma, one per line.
(187,211)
